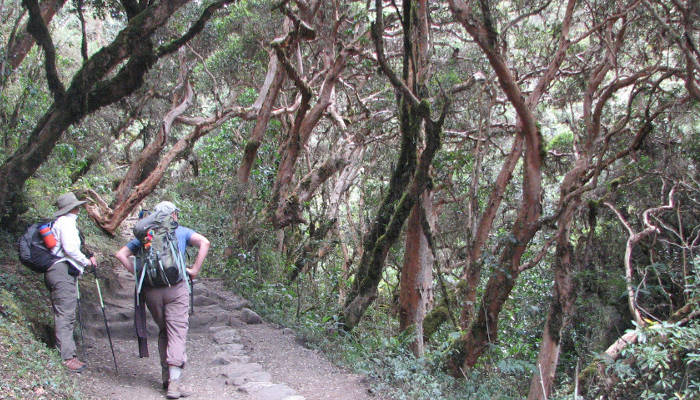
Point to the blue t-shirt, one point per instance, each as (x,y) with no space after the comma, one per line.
(182,234)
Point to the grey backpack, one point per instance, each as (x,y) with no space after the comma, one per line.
(159,261)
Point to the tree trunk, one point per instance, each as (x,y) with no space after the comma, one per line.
(559,314)
(409,180)
(416,290)
(632,240)
(472,273)
(108,218)
(317,245)
(416,285)
(385,231)
(484,328)
(21,165)
(285,202)
(268,96)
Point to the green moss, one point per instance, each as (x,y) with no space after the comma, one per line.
(588,374)
(462,286)
(434,320)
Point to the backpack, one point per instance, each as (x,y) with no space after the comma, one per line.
(33,252)
(159,261)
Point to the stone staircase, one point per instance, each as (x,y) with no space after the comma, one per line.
(218,366)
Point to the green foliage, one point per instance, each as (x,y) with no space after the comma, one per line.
(29,369)
(310,306)
(664,364)
(691,142)
(457,159)
(27,288)
(394,369)
(562,141)
(232,56)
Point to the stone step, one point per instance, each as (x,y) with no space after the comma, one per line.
(226,336)
(267,390)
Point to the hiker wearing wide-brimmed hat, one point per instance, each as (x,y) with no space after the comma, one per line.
(61,277)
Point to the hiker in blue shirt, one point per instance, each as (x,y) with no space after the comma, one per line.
(169,305)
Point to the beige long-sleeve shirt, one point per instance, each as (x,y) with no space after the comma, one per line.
(65,229)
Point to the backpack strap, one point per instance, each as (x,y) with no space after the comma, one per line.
(180,260)
(140,275)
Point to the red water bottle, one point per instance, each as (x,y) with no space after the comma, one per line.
(47,235)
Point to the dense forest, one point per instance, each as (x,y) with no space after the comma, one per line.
(462,199)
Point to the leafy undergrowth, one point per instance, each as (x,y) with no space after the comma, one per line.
(664,362)
(29,369)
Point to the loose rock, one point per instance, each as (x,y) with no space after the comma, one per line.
(250,317)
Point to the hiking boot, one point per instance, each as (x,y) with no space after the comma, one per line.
(177,390)
(74,365)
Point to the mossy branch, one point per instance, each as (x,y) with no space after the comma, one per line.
(40,31)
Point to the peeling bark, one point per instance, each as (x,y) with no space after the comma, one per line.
(416,282)
(265,102)
(634,238)
(484,328)
(109,219)
(564,291)
(472,272)
(416,290)
(135,174)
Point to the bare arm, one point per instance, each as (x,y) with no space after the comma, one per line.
(124,255)
(202,244)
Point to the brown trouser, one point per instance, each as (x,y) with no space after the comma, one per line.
(64,298)
(169,307)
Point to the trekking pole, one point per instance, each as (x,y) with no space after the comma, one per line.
(192,281)
(80,320)
(104,315)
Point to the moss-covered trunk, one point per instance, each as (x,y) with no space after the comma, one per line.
(410,176)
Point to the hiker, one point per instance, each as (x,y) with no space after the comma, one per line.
(169,305)
(62,277)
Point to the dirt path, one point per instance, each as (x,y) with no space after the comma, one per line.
(227,357)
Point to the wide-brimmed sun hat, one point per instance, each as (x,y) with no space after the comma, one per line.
(65,203)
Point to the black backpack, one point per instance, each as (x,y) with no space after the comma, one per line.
(32,251)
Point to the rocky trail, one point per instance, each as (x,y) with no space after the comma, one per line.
(232,353)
